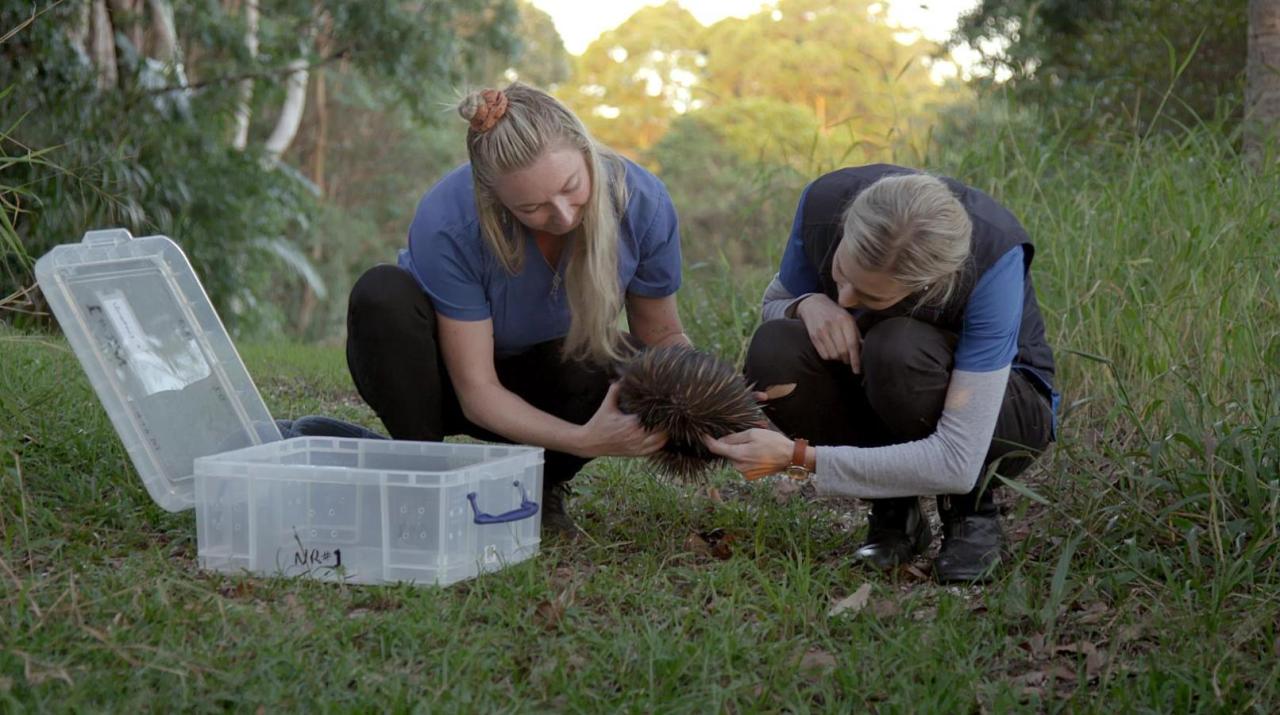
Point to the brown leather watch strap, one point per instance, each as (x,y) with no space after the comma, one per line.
(798,454)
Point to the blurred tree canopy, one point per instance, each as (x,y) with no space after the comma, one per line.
(805,80)
(1117,60)
(173,118)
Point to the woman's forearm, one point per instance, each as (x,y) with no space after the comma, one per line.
(778,303)
(504,413)
(947,462)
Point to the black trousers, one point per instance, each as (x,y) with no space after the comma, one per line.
(906,368)
(393,353)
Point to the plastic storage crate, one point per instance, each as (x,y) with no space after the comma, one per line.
(200,436)
(368,511)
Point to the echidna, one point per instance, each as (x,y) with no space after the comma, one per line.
(687,393)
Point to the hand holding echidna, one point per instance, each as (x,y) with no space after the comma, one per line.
(616,433)
(688,394)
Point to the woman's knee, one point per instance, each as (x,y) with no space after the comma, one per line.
(906,366)
(382,292)
(779,351)
(383,285)
(904,348)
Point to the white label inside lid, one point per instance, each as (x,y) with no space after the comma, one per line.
(160,365)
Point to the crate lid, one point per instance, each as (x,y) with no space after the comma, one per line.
(156,353)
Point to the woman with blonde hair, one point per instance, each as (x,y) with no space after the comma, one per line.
(904,314)
(501,318)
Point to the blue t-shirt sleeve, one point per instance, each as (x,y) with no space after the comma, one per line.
(452,281)
(797,275)
(658,245)
(989,338)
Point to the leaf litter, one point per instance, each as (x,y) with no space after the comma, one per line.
(852,603)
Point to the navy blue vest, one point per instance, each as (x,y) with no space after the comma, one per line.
(995,233)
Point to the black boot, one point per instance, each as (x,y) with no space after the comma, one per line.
(556,522)
(897,532)
(972,540)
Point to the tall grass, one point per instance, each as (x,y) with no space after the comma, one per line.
(1159,275)
(15,263)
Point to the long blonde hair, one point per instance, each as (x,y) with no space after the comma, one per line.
(533,123)
(912,227)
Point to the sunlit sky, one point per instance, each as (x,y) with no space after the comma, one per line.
(581,21)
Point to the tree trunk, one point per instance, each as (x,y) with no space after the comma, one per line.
(78,32)
(244,109)
(295,94)
(1262,105)
(127,14)
(102,45)
(295,101)
(164,33)
(310,301)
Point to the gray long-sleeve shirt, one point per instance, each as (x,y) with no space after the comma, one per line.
(949,461)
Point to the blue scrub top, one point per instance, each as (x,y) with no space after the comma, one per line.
(465,281)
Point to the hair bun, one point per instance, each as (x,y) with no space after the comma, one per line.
(483,109)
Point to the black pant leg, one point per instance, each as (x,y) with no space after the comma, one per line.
(906,364)
(394,356)
(828,405)
(569,389)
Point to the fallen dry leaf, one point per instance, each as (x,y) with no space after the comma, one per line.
(1132,632)
(912,572)
(358,613)
(852,604)
(1033,692)
(1036,645)
(715,543)
(1063,673)
(925,614)
(773,392)
(1093,662)
(722,549)
(561,578)
(1032,678)
(1094,658)
(695,544)
(1094,613)
(548,614)
(817,659)
(785,489)
(714,495)
(885,608)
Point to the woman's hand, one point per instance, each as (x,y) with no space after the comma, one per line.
(755,452)
(612,433)
(832,330)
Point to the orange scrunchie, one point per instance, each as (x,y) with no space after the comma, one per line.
(493,109)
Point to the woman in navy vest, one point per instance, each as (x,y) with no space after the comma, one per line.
(905,316)
(501,319)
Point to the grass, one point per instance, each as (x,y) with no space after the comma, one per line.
(1143,569)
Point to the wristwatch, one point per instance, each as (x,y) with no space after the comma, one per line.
(797,469)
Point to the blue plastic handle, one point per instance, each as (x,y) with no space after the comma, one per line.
(524,511)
